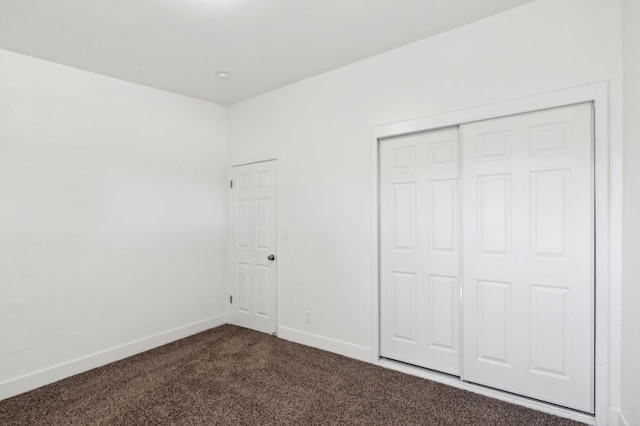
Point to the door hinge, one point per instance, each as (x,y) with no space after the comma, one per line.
(230,299)
(231,184)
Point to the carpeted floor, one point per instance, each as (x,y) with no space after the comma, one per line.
(234,376)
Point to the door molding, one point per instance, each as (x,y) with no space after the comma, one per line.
(607,220)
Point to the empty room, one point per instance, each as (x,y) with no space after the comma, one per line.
(409,212)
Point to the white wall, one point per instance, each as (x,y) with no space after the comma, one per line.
(113,218)
(319,129)
(630,369)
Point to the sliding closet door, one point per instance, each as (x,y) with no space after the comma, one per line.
(528,229)
(419,250)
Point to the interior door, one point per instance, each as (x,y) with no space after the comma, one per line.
(253,246)
(528,226)
(419,250)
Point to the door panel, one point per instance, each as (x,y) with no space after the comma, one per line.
(443,295)
(253,239)
(528,229)
(494,322)
(419,250)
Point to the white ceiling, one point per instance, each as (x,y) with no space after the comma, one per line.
(180,45)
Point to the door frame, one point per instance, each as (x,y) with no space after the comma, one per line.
(229,234)
(607,185)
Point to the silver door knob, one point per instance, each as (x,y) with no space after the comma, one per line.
(271,257)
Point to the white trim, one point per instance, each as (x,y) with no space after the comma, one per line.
(61,371)
(607,183)
(574,95)
(502,396)
(278,236)
(604,278)
(327,344)
(375,246)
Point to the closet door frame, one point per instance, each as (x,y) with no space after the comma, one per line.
(607,184)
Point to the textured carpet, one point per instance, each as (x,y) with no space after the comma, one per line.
(231,375)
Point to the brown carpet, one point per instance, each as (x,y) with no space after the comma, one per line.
(234,376)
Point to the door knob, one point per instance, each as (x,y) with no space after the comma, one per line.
(271,257)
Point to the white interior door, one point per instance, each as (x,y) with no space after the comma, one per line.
(253,246)
(419,250)
(528,227)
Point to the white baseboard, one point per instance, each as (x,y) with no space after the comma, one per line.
(327,344)
(52,374)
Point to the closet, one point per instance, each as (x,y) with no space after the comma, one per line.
(487,253)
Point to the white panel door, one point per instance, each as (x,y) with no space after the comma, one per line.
(419,250)
(253,246)
(528,227)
